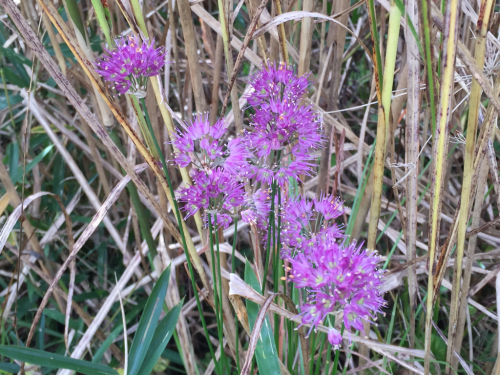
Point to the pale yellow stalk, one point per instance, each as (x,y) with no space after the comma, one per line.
(449,42)
(474,105)
(383,121)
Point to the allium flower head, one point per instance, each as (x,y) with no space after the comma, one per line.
(204,146)
(216,191)
(307,223)
(260,207)
(338,277)
(281,124)
(130,64)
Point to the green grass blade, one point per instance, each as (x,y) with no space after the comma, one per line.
(74,13)
(9,368)
(265,351)
(360,192)
(428,63)
(148,324)
(37,159)
(160,339)
(104,20)
(402,9)
(391,329)
(46,359)
(376,41)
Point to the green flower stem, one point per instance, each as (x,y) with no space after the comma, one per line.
(428,63)
(271,230)
(318,361)
(270,236)
(219,266)
(221,310)
(291,348)
(233,270)
(337,355)
(220,333)
(277,269)
(100,13)
(331,320)
(181,231)
(144,126)
(313,350)
(360,192)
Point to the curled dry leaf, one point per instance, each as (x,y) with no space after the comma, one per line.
(278,20)
(115,193)
(254,337)
(18,211)
(238,287)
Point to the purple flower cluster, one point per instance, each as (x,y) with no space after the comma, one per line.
(259,209)
(216,191)
(213,150)
(130,64)
(307,224)
(336,276)
(217,188)
(277,146)
(283,131)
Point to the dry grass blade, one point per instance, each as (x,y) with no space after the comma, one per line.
(413,120)
(480,50)
(94,200)
(192,54)
(479,153)
(278,20)
(71,289)
(482,228)
(216,26)
(82,108)
(306,39)
(99,216)
(18,211)
(65,131)
(494,171)
(440,150)
(239,58)
(125,338)
(254,337)
(15,200)
(240,288)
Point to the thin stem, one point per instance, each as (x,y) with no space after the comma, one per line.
(233,269)
(428,63)
(318,361)
(270,236)
(221,315)
(331,320)
(216,290)
(313,349)
(277,269)
(181,231)
(337,355)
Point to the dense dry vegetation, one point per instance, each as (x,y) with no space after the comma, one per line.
(408,95)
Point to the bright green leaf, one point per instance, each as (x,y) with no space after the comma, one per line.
(148,324)
(160,339)
(265,352)
(47,359)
